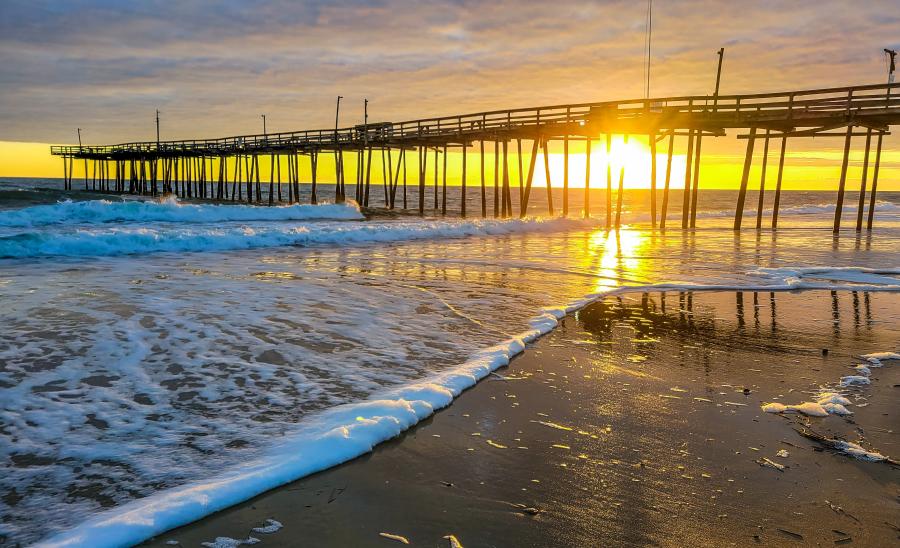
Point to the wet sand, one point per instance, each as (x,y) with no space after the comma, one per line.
(636,422)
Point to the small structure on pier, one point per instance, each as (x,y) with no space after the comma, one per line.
(198,168)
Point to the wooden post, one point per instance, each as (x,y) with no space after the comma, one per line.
(444,185)
(436,164)
(652,141)
(521,172)
(841,186)
(523,205)
(862,185)
(296,180)
(565,200)
(777,203)
(392,186)
(608,180)
(762,182)
(587,178)
(496,178)
(483,191)
(621,191)
(423,160)
(547,175)
(314,171)
(506,198)
(385,182)
(696,192)
(403,155)
(340,190)
(871,216)
(686,198)
(368,176)
(462,207)
(256,172)
(745,178)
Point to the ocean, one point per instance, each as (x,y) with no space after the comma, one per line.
(161,360)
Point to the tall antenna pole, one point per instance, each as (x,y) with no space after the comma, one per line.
(649,40)
(79,137)
(264,125)
(721,54)
(157,128)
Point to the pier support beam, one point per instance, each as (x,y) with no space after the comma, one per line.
(651,139)
(565,199)
(871,216)
(587,178)
(762,182)
(608,180)
(665,200)
(862,184)
(462,206)
(777,203)
(695,193)
(745,178)
(547,175)
(483,190)
(686,196)
(523,206)
(843,183)
(621,192)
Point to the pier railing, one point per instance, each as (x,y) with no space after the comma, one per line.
(200,167)
(779,111)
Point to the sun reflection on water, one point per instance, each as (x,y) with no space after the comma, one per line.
(613,255)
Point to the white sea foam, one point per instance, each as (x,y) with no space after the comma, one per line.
(339,434)
(168,210)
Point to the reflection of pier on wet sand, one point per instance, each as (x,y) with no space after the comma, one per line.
(228,168)
(636,422)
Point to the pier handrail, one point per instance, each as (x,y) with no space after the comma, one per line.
(729,111)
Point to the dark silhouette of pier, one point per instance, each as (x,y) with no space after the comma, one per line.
(199,168)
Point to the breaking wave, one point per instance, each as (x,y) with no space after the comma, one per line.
(125,240)
(170,210)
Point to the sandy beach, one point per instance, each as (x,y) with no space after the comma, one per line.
(636,422)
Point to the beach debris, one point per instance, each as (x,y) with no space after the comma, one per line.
(447,484)
(228,542)
(846,447)
(454,542)
(173,543)
(782,453)
(529,510)
(554,425)
(840,510)
(792,534)
(270,527)
(398,538)
(492,443)
(877,357)
(854,380)
(764,461)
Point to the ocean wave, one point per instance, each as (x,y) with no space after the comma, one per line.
(125,240)
(170,210)
(348,431)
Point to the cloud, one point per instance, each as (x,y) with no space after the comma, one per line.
(213,67)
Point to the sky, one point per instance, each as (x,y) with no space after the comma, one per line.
(212,68)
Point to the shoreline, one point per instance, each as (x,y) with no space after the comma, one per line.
(425,441)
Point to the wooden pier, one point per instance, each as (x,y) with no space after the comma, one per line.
(199,168)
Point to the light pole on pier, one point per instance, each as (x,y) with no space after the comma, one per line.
(337,113)
(79,137)
(721,54)
(157,128)
(263,116)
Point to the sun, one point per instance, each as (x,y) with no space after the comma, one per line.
(633,154)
